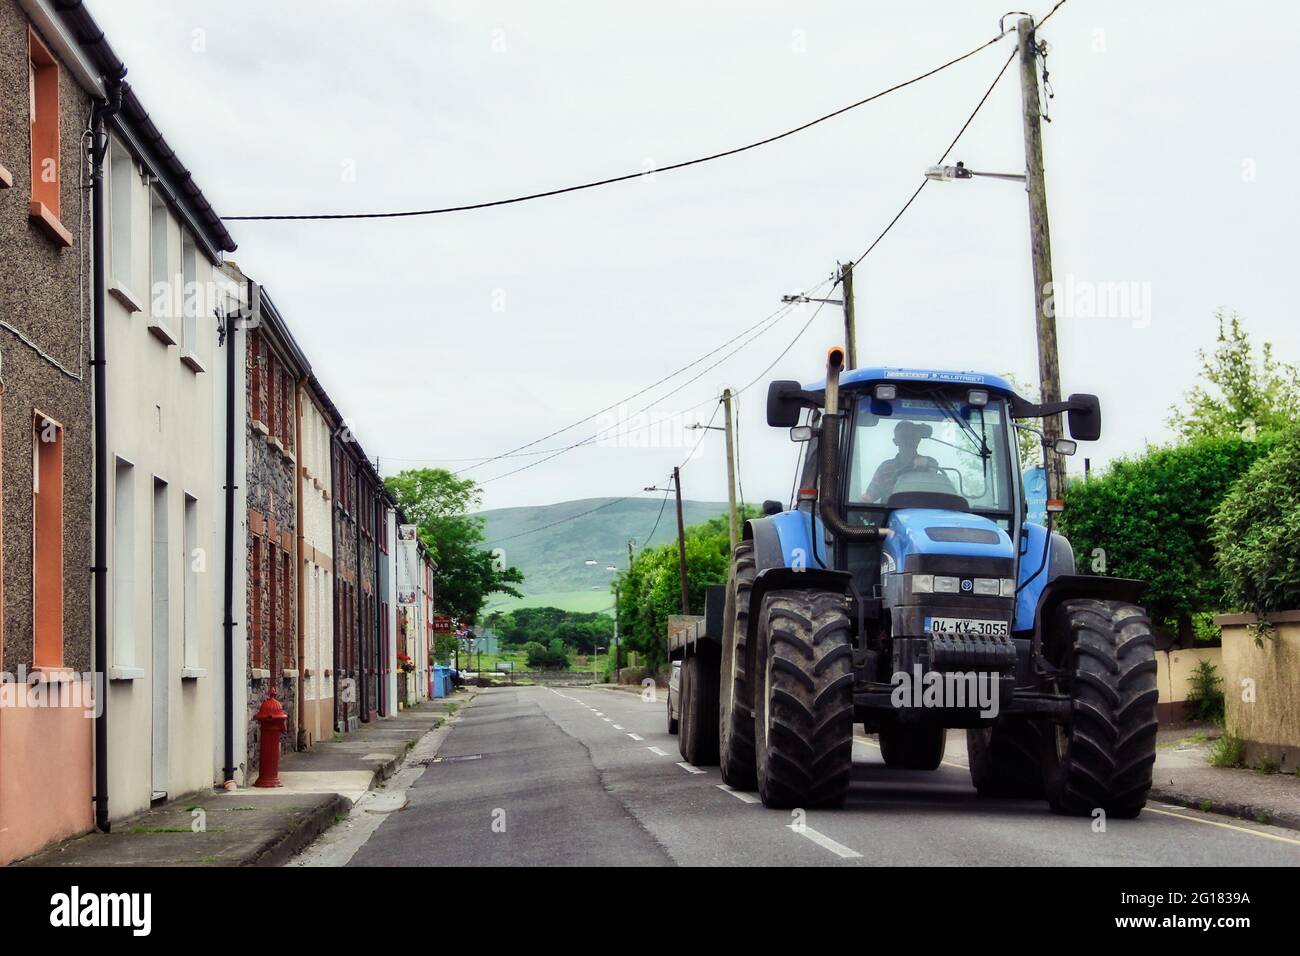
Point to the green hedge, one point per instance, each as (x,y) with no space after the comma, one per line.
(1151,515)
(1257,533)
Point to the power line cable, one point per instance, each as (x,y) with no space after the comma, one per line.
(662,505)
(627,176)
(704,433)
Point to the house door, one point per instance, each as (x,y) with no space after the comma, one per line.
(160,664)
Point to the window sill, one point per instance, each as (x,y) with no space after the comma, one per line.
(193,673)
(123,295)
(260,426)
(259,673)
(289,673)
(125,673)
(49,224)
(52,675)
(160,330)
(192,361)
(6,179)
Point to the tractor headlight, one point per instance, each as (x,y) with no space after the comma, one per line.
(988,587)
(921,583)
(1008,587)
(943,584)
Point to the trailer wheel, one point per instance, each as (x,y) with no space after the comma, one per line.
(736,712)
(1102,756)
(913,746)
(1006,759)
(803,715)
(698,736)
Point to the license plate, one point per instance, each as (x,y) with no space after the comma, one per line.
(962,626)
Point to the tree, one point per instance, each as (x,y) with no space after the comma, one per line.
(1245,395)
(439,504)
(1256,530)
(650,591)
(1150,517)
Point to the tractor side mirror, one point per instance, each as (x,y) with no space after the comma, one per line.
(1085,420)
(801,433)
(1063,446)
(783,405)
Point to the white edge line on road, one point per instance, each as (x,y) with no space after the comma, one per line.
(740,795)
(1226,826)
(636,737)
(822,840)
(689,768)
(656,750)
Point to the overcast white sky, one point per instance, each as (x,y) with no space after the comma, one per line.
(1170,163)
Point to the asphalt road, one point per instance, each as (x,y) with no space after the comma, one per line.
(588,776)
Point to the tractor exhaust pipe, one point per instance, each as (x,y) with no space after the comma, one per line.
(830,458)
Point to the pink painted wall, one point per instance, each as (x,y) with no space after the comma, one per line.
(45,777)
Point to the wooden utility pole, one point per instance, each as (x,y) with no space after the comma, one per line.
(734,520)
(850,324)
(681,541)
(1040,243)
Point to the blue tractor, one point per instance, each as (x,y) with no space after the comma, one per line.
(907,591)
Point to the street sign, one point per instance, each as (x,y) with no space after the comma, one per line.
(441,625)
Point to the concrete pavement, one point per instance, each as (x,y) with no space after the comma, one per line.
(570,776)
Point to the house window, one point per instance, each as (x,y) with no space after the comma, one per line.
(255,620)
(255,376)
(47,564)
(43,97)
(193,558)
(190,299)
(286,563)
(121,174)
(272,373)
(273,606)
(163,265)
(124,564)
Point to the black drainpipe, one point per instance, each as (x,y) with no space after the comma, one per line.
(99,150)
(228,584)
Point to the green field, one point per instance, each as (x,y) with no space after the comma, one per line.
(579,601)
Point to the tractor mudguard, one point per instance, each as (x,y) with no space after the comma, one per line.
(1067,587)
(784,558)
(1033,577)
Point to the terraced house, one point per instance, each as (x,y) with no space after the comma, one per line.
(48,91)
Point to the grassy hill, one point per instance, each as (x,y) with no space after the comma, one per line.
(553,559)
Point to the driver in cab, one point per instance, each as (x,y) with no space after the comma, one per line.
(907,436)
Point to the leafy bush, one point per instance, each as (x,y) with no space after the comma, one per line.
(1205,699)
(535,654)
(1256,530)
(1151,514)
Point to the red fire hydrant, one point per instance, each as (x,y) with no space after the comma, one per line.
(273,720)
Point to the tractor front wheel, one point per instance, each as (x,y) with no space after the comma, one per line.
(913,746)
(1101,757)
(1006,759)
(803,713)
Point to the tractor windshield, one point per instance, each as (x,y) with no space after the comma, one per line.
(930,443)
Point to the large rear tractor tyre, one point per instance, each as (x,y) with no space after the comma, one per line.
(1006,759)
(913,746)
(1102,756)
(803,714)
(698,735)
(736,713)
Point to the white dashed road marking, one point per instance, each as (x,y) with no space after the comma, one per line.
(740,795)
(688,768)
(822,840)
(656,750)
(618,727)
(636,737)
